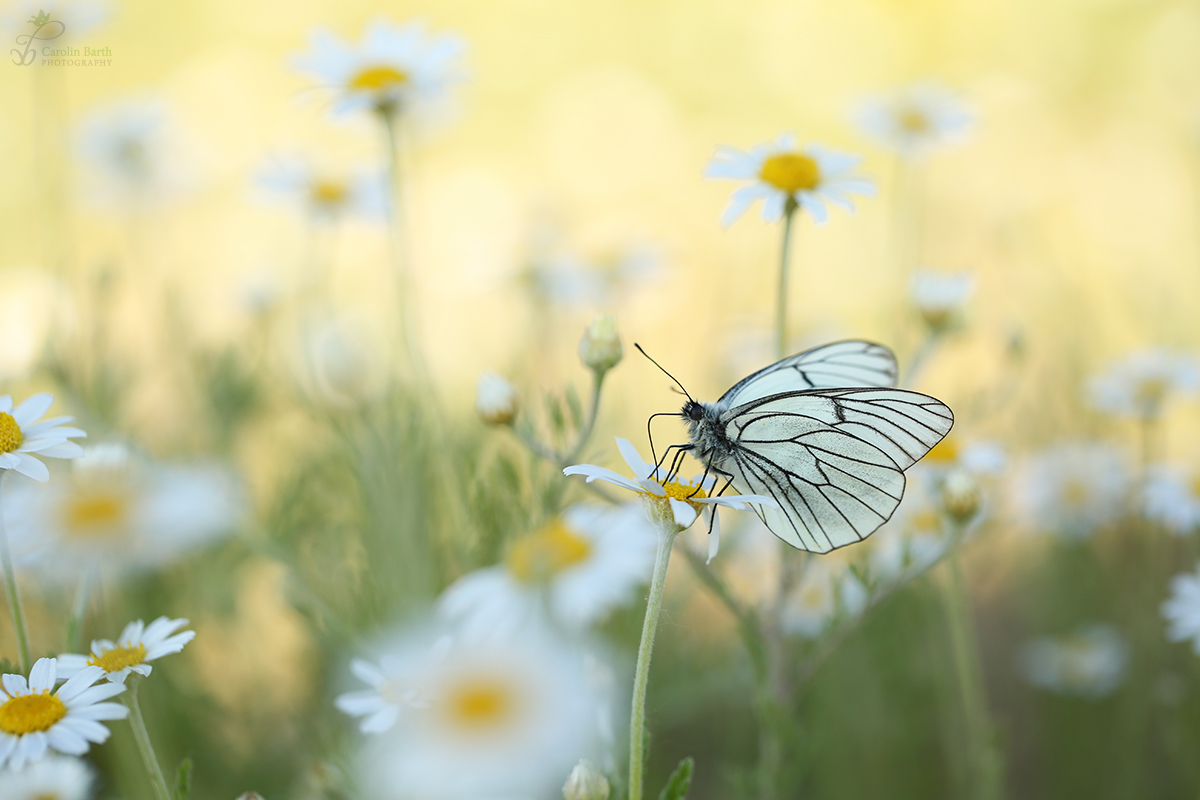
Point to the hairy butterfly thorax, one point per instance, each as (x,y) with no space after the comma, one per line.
(706,433)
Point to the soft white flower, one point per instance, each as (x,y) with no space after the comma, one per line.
(505,719)
(1172,498)
(781,171)
(812,603)
(22,436)
(119,512)
(670,500)
(35,719)
(1182,609)
(396,68)
(941,298)
(137,645)
(133,154)
(50,778)
(395,684)
(324,193)
(912,541)
(1090,662)
(496,401)
(1072,489)
(916,118)
(577,568)
(1140,384)
(560,277)
(340,361)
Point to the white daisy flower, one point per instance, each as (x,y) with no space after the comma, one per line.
(1182,609)
(1172,498)
(22,436)
(137,645)
(496,401)
(340,360)
(119,512)
(670,500)
(784,173)
(395,685)
(505,719)
(577,568)
(916,119)
(1090,662)
(1073,489)
(1140,384)
(134,154)
(826,591)
(33,721)
(941,298)
(50,778)
(981,458)
(396,69)
(326,194)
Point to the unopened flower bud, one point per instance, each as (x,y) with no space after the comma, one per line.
(960,496)
(250,796)
(600,348)
(585,783)
(496,400)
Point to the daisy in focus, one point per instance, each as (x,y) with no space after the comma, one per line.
(1090,662)
(1141,384)
(577,568)
(137,645)
(787,177)
(915,119)
(1182,609)
(675,502)
(395,70)
(23,437)
(1172,498)
(33,721)
(50,778)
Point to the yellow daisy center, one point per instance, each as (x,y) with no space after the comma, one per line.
(378,78)
(479,704)
(10,433)
(683,491)
(89,512)
(1075,493)
(944,452)
(1195,484)
(119,658)
(913,121)
(926,521)
(813,596)
(538,558)
(1150,392)
(791,172)
(328,192)
(31,713)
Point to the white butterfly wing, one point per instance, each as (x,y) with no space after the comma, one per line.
(832,459)
(832,366)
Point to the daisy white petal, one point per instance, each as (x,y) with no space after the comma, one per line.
(21,435)
(137,645)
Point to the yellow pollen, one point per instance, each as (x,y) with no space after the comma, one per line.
(119,658)
(480,705)
(538,558)
(328,192)
(683,491)
(791,172)
(380,78)
(31,713)
(944,452)
(10,433)
(90,512)
(1075,493)
(913,121)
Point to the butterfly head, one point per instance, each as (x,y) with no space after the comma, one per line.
(693,411)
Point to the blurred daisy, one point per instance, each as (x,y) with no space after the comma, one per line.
(339,360)
(1090,662)
(496,400)
(505,719)
(1073,489)
(784,175)
(395,685)
(129,151)
(137,645)
(823,594)
(1140,384)
(1182,609)
(978,457)
(50,778)
(916,118)
(118,512)
(676,501)
(941,298)
(564,278)
(395,70)
(23,437)
(912,541)
(33,721)
(324,194)
(1172,498)
(576,568)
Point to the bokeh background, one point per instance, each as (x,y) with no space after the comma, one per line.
(580,138)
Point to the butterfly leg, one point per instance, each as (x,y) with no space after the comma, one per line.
(679,449)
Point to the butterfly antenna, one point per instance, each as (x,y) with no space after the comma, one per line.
(664,372)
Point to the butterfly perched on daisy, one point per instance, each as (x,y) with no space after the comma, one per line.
(825,434)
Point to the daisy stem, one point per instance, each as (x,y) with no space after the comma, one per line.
(789,216)
(589,424)
(14,596)
(637,716)
(143,742)
(399,260)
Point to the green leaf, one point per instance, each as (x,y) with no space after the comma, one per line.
(183,780)
(679,782)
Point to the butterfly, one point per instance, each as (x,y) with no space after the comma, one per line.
(825,434)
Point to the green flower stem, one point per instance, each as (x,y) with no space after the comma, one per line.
(143,741)
(637,717)
(14,596)
(984,758)
(585,433)
(400,261)
(789,216)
